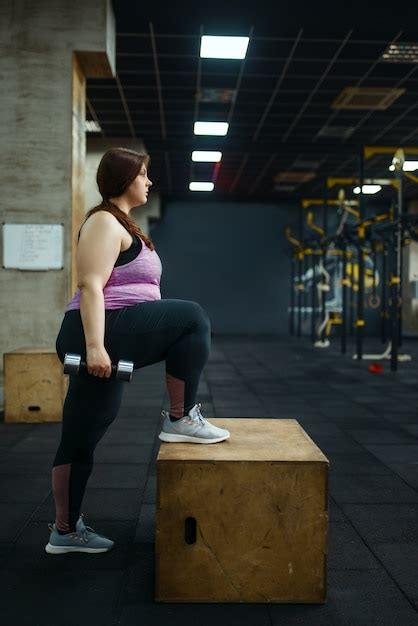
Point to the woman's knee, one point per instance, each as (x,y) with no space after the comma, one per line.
(200,317)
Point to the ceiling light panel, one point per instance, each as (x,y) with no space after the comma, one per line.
(213,47)
(198,186)
(211,128)
(206,156)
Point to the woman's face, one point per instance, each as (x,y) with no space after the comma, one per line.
(138,189)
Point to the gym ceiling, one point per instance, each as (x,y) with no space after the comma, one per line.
(317,83)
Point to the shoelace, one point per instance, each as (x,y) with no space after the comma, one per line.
(87,529)
(84,534)
(196,418)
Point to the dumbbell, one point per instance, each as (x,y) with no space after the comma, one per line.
(73,364)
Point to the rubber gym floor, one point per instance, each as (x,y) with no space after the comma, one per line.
(365,423)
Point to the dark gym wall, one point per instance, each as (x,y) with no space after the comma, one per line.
(234,260)
(231,258)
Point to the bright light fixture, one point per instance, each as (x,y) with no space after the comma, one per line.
(206,156)
(90,126)
(408,166)
(223,47)
(201,186)
(368,189)
(211,128)
(401,53)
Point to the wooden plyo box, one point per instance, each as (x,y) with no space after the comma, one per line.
(243,520)
(34,386)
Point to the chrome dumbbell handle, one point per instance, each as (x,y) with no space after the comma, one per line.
(73,364)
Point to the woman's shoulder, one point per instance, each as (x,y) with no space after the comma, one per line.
(102,218)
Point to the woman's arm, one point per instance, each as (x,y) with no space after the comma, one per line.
(98,249)
(92,314)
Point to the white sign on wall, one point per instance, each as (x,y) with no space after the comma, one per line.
(33,246)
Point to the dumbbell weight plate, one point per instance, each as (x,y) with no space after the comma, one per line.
(72,363)
(125,370)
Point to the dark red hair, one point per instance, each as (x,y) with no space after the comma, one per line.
(117,169)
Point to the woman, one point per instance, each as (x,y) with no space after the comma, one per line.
(117,313)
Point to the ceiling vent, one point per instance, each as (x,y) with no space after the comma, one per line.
(336,132)
(401,53)
(90,126)
(367,98)
(306,165)
(284,188)
(294,177)
(220,96)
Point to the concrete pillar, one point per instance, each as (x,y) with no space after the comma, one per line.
(47,49)
(96,147)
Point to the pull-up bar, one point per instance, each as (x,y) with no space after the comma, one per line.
(307,202)
(331,181)
(370,151)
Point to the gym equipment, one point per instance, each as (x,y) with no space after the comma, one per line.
(367,276)
(396,265)
(34,386)
(246,520)
(387,354)
(374,300)
(323,286)
(375,368)
(73,364)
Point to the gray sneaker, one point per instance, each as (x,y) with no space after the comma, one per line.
(193,428)
(85,539)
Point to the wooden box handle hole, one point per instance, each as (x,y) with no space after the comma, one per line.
(190,530)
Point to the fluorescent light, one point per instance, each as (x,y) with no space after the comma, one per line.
(90,126)
(408,166)
(368,189)
(211,128)
(223,47)
(201,186)
(206,156)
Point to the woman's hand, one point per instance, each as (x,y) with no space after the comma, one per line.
(98,362)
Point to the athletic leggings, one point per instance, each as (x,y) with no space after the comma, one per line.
(175,331)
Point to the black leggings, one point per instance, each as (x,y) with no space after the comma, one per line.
(175,331)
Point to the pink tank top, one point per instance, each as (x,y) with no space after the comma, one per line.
(131,283)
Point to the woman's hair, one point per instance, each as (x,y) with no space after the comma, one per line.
(117,169)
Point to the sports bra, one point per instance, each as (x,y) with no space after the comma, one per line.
(131,253)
